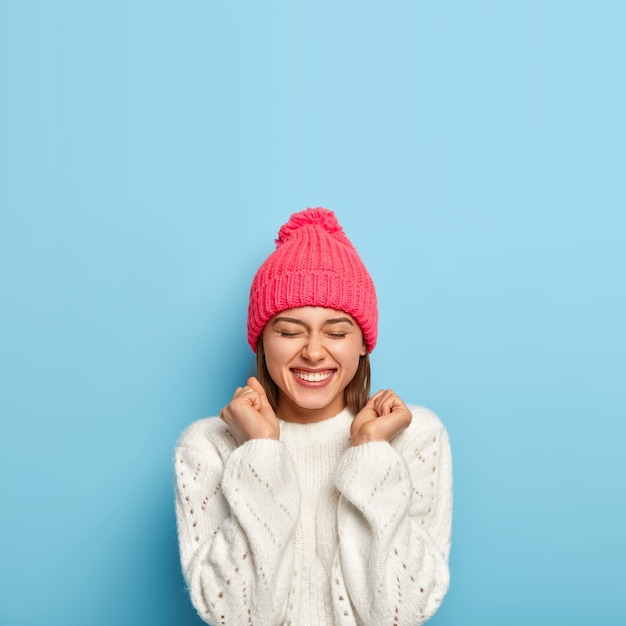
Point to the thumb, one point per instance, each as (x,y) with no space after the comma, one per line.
(367,413)
(266,407)
(371,404)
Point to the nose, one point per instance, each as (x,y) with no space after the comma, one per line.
(314,350)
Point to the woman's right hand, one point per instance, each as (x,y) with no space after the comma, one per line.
(250,414)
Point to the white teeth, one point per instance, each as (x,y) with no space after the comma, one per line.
(313,377)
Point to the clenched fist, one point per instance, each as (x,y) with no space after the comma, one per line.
(250,414)
(382,418)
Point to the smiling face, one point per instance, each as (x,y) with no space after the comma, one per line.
(312,353)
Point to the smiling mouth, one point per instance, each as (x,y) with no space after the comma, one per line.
(313,377)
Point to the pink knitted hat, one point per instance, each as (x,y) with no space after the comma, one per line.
(314,264)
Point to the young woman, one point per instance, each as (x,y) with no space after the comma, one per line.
(310,502)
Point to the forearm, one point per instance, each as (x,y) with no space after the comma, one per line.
(394,522)
(236,531)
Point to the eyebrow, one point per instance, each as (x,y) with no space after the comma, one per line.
(332,320)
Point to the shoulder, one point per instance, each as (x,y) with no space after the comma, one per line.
(209,433)
(424,418)
(425,446)
(425,427)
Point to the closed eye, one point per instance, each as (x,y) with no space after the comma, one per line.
(285,333)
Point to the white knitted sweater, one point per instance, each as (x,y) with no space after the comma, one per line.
(311,531)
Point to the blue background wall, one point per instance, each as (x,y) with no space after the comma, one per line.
(475,153)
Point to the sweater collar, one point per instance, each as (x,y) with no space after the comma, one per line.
(329,429)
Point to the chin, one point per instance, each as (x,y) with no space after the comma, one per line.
(317,404)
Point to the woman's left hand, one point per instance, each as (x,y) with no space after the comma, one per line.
(382,418)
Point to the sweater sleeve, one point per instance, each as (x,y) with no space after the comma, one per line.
(236,512)
(394,521)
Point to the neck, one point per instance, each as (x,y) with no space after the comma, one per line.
(290,412)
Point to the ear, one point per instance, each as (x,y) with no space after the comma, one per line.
(363,349)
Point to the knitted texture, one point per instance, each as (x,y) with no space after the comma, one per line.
(309,531)
(314,264)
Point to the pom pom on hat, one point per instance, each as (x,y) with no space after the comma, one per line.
(314,264)
(311,217)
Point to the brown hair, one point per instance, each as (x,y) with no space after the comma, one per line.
(357,392)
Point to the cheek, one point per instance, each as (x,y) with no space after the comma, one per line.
(277,354)
(351,354)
